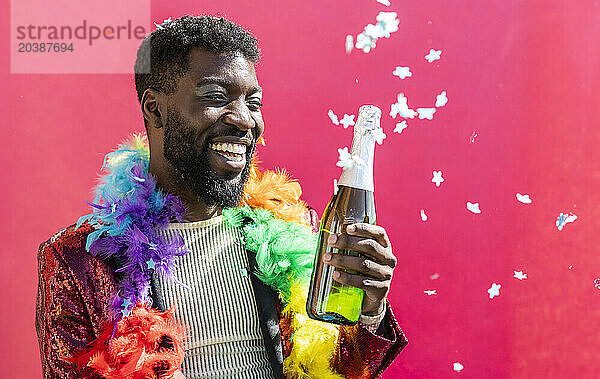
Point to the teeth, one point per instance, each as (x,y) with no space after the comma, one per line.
(235,148)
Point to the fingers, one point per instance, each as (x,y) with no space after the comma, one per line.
(364,245)
(374,289)
(360,265)
(375,232)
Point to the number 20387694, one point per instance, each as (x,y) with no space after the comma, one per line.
(45,47)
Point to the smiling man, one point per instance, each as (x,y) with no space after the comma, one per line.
(188,220)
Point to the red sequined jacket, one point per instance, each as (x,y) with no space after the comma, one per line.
(73,300)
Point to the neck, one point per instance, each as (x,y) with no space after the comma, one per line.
(169,182)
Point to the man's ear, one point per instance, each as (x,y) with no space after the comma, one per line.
(153,107)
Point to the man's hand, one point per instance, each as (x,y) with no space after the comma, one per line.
(375,269)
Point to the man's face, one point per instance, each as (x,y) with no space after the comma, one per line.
(213,122)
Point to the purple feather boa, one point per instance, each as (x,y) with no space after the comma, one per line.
(128,230)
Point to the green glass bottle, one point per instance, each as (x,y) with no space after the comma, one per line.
(329,300)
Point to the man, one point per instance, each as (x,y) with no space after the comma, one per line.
(237,288)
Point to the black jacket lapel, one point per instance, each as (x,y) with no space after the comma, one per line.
(266,302)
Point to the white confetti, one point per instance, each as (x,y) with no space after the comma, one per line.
(441,99)
(365,42)
(523,198)
(494,290)
(384,2)
(386,24)
(437,178)
(434,276)
(570,267)
(379,135)
(563,219)
(333,117)
(347,120)
(597,283)
(519,275)
(345,160)
(349,44)
(430,292)
(400,126)
(401,108)
(473,207)
(472,139)
(457,367)
(426,113)
(163,24)
(402,72)
(433,55)
(335,187)
(423,215)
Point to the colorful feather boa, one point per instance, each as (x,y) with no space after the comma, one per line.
(128,213)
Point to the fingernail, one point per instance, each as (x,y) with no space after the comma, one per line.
(332,238)
(351,228)
(336,275)
(327,257)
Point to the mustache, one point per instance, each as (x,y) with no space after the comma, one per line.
(248,135)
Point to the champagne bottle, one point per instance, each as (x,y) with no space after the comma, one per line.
(329,300)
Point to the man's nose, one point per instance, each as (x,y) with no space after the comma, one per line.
(239,115)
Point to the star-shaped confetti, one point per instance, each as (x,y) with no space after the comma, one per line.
(349,43)
(386,23)
(379,135)
(430,292)
(345,159)
(563,219)
(347,120)
(163,24)
(472,138)
(437,178)
(426,113)
(433,55)
(441,99)
(457,367)
(494,290)
(402,72)
(423,215)
(333,117)
(400,126)
(519,275)
(525,199)
(473,207)
(126,303)
(401,108)
(151,264)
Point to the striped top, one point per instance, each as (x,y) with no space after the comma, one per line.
(225,340)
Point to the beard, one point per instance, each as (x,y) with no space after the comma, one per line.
(192,165)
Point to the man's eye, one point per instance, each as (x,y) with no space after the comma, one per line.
(255,105)
(215,96)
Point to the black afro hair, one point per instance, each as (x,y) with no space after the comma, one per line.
(163,56)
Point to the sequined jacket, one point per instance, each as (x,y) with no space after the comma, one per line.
(75,290)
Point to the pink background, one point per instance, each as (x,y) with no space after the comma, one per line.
(523,76)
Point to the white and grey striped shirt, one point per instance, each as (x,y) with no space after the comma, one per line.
(225,340)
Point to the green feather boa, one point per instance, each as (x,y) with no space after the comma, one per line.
(284,250)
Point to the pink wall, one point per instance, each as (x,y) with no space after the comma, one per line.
(525,78)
